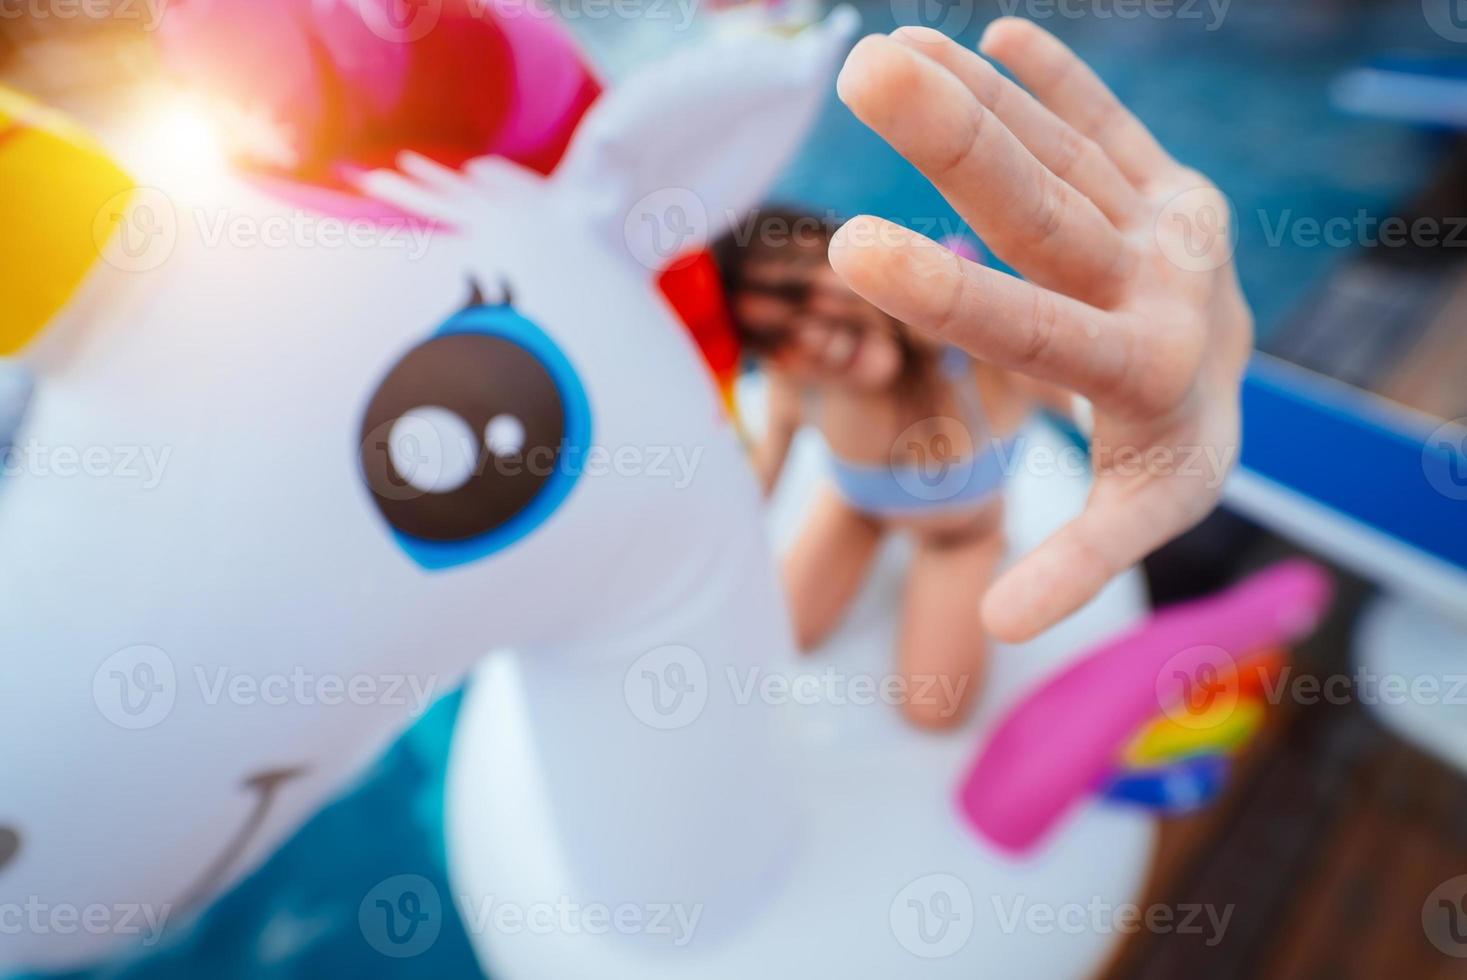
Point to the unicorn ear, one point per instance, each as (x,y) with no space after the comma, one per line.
(668,158)
(57,189)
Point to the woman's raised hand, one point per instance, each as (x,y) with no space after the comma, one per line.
(1130,297)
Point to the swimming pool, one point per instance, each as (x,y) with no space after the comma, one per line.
(1246,101)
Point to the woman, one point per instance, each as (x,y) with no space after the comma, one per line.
(1129,298)
(921,438)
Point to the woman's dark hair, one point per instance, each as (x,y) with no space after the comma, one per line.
(767,234)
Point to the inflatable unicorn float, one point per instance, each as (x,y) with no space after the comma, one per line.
(263,500)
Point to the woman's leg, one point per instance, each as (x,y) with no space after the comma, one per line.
(944,651)
(825,568)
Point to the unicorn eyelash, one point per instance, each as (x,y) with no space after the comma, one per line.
(476,295)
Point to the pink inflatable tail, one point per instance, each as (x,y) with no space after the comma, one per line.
(1049,753)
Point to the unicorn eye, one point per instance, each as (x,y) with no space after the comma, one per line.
(431,449)
(468,443)
(505,435)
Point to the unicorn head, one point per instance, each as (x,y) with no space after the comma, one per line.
(296,459)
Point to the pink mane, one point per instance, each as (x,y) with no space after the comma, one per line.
(352,83)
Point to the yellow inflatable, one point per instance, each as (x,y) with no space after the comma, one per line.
(61,196)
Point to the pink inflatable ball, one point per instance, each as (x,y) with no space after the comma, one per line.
(351,35)
(552,85)
(351,83)
(258,57)
(455,79)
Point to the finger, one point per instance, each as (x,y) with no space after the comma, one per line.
(1076,94)
(1036,222)
(1075,159)
(1114,532)
(990,314)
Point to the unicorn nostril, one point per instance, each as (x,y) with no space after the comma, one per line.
(265,784)
(267,781)
(9,845)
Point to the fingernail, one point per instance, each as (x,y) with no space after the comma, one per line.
(848,80)
(852,234)
(922,35)
(995,28)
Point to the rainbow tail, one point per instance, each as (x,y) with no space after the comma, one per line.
(1188,684)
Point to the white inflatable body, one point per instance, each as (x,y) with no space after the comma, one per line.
(861,866)
(214,625)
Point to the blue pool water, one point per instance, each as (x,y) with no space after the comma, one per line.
(298,916)
(1247,103)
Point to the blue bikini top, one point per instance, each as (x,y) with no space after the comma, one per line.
(936,485)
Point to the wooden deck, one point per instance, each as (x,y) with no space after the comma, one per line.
(1333,838)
